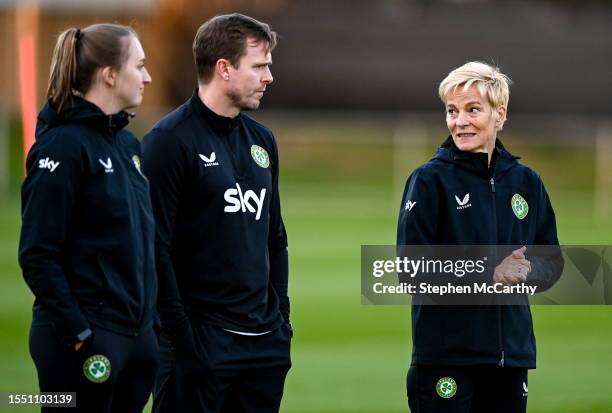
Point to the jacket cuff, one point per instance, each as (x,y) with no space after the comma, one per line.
(73,330)
(84,335)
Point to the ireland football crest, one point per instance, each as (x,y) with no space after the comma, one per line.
(136,160)
(97,368)
(446,387)
(260,156)
(519,206)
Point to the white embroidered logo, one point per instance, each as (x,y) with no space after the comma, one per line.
(463,203)
(409,205)
(237,200)
(48,164)
(210,160)
(108,165)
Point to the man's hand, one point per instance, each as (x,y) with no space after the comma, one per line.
(513,269)
(78,345)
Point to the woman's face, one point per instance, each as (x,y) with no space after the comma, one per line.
(471,120)
(133,76)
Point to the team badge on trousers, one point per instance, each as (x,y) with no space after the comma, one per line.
(97,368)
(446,387)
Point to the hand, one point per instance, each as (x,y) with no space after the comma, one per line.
(513,269)
(181,339)
(78,345)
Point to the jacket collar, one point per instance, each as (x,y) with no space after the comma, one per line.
(221,123)
(80,110)
(501,161)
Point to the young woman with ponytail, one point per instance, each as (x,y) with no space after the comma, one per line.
(86,246)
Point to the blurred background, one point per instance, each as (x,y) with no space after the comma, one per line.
(354,108)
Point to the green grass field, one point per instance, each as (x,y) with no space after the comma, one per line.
(348,357)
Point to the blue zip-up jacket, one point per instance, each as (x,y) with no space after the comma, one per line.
(440,215)
(87,238)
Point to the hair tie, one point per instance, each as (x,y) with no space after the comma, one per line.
(77,35)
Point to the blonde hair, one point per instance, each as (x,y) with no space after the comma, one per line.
(490,82)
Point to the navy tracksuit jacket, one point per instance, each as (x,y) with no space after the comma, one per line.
(86,245)
(221,244)
(471,335)
(86,251)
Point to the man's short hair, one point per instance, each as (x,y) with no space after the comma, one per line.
(225,37)
(491,83)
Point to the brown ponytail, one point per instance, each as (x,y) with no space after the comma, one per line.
(62,77)
(78,55)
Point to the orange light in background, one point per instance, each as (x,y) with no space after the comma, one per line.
(27,88)
(27,20)
(171,7)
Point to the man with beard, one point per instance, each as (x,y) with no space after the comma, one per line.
(221,245)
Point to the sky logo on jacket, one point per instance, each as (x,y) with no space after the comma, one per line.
(48,164)
(244,201)
(409,205)
(209,160)
(463,203)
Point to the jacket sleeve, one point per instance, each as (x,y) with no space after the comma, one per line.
(417,223)
(418,211)
(48,195)
(164,163)
(417,237)
(277,244)
(546,258)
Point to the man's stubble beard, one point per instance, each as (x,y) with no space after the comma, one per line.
(241,102)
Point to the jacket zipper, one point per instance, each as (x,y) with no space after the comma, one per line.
(499,312)
(233,149)
(131,174)
(121,157)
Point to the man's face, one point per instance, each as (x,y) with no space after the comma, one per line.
(248,81)
(471,120)
(132,76)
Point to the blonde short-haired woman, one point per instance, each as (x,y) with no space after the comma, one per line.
(474,358)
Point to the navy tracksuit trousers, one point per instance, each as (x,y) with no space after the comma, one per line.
(133,364)
(467,389)
(230,374)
